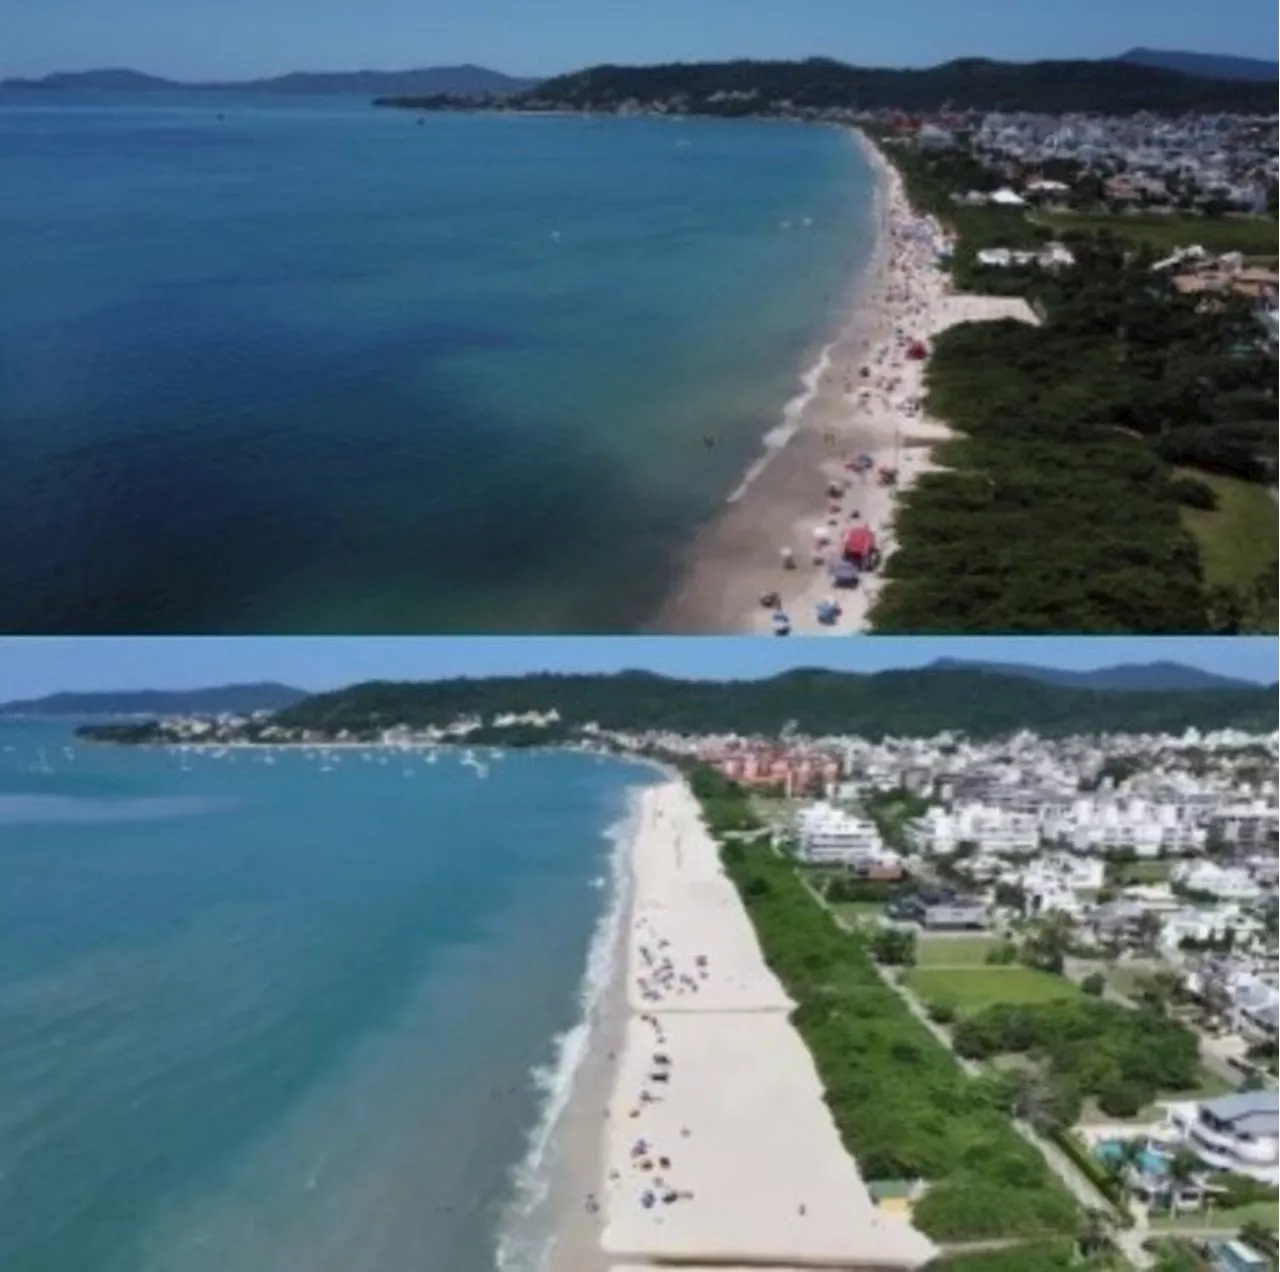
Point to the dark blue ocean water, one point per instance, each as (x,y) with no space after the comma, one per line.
(297,1016)
(314,366)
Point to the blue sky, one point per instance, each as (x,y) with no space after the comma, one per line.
(235,38)
(33,666)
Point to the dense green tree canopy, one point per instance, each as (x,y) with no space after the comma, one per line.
(921,701)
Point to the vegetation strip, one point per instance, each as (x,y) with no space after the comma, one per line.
(1058,507)
(903,1108)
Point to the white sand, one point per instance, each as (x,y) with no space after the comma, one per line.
(716,1081)
(884,415)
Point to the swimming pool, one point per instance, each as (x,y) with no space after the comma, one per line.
(1150,1162)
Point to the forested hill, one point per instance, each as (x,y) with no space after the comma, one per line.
(897,702)
(1214,65)
(747,88)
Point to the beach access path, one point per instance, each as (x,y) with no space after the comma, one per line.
(719,1148)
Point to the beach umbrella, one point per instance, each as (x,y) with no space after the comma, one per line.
(845,574)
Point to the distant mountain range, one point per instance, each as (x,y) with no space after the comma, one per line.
(1206,65)
(1157,677)
(230,699)
(949,693)
(917,701)
(819,85)
(457,80)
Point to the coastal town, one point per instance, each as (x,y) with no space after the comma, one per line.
(1020,893)
(993,219)
(1080,928)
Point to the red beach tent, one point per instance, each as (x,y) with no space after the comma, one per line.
(859,542)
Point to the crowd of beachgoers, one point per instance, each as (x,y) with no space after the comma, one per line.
(717,1143)
(881,439)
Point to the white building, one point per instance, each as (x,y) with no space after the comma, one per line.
(1141,826)
(1253,825)
(1062,882)
(1203,924)
(997,831)
(1227,883)
(829,835)
(1234,1132)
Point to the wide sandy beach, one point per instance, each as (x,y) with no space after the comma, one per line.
(865,418)
(699,1133)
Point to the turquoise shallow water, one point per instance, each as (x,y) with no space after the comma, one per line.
(314,366)
(298,1016)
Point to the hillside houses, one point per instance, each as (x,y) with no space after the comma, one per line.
(1145,159)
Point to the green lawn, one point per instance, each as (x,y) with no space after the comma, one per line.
(1252,235)
(1127,980)
(973,990)
(858,913)
(1131,872)
(1237,540)
(953,951)
(1264,1212)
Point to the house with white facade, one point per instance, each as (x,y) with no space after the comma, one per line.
(827,835)
(1227,883)
(1062,882)
(995,830)
(1203,923)
(1239,1133)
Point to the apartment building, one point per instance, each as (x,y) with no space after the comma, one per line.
(995,830)
(1249,826)
(826,835)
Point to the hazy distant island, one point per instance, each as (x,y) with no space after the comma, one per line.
(267,696)
(458,80)
(803,89)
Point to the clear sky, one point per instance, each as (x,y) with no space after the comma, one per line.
(244,38)
(34,666)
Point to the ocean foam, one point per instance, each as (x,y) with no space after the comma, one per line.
(778,436)
(528,1251)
